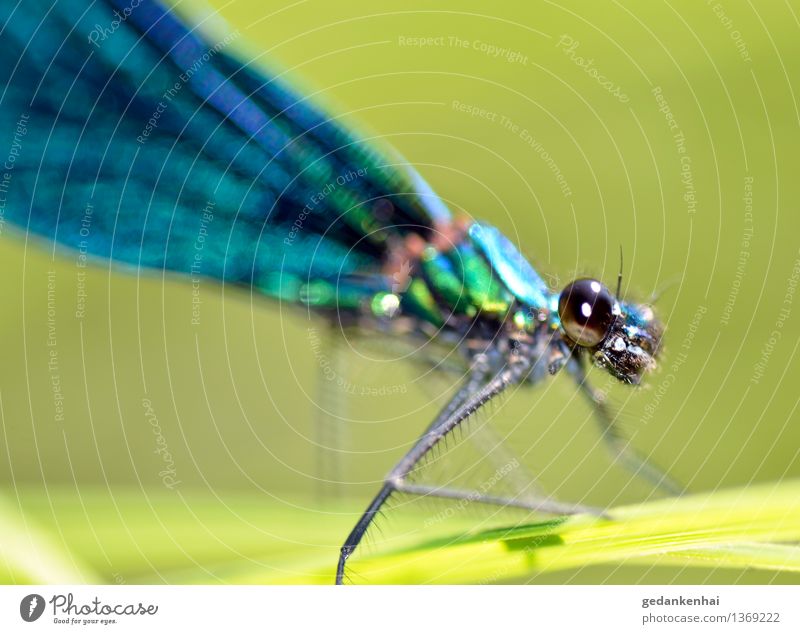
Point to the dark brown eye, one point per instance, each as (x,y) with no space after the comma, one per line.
(586,309)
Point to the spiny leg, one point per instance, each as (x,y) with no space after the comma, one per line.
(463,405)
(473,383)
(617,443)
(543,504)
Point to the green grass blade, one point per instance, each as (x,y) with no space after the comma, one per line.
(739,527)
(30,555)
(134,537)
(746,555)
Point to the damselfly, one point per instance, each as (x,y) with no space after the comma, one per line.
(147,122)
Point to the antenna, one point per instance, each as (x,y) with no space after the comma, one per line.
(619,277)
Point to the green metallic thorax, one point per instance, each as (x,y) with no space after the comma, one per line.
(454,285)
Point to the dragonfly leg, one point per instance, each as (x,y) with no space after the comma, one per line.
(541,504)
(617,443)
(466,402)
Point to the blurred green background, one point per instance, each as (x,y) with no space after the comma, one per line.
(563,141)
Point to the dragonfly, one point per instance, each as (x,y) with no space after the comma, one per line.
(133,132)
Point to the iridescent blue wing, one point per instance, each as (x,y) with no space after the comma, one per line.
(141,141)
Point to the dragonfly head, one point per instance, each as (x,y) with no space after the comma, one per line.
(622,338)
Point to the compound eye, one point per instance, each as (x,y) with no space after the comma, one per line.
(586,309)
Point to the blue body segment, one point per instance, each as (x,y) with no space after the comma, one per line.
(512,268)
